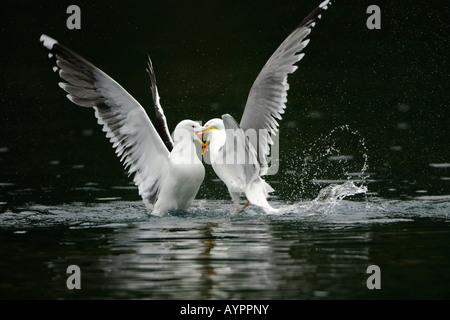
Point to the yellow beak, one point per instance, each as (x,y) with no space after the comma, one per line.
(205,144)
(209,128)
(197,135)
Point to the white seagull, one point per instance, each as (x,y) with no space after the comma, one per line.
(238,151)
(167,172)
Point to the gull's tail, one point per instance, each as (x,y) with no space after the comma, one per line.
(257,192)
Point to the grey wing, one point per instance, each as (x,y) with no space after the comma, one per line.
(124,120)
(160,119)
(239,151)
(268,95)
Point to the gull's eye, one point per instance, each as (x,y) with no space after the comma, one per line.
(193,126)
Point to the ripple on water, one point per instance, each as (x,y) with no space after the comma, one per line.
(118,214)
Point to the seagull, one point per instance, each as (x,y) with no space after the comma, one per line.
(238,151)
(167,171)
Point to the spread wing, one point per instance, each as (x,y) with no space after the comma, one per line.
(160,119)
(124,121)
(238,150)
(268,95)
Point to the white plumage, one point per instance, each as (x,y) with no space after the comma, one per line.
(265,105)
(167,173)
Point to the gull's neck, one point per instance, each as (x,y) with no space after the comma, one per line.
(184,151)
(216,141)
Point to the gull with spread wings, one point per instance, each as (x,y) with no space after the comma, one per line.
(238,152)
(167,172)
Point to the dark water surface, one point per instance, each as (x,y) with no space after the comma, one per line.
(308,252)
(364,175)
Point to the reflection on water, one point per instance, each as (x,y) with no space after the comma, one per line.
(302,253)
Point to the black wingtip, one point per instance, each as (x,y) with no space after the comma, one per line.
(315,15)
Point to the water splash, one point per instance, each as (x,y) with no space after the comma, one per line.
(333,194)
(333,167)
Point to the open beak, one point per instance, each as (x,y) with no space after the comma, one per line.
(205,144)
(199,139)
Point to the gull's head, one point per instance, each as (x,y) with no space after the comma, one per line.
(210,129)
(190,129)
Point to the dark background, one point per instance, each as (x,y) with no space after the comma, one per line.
(389,85)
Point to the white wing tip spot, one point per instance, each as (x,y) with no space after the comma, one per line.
(47,41)
(324,5)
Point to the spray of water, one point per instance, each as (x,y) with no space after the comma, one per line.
(333,167)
